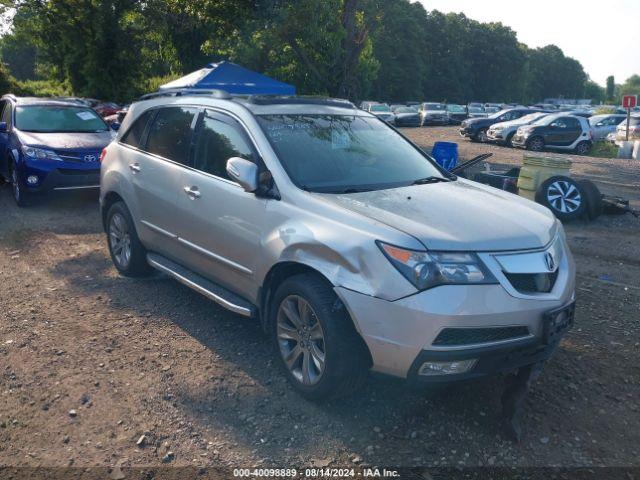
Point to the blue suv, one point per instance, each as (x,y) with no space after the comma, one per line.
(50,145)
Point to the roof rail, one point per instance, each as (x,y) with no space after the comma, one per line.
(299,100)
(10,96)
(178,92)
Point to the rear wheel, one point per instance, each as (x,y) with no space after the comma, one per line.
(535,144)
(320,352)
(583,148)
(563,196)
(127,252)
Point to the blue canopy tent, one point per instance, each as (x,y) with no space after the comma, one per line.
(233,79)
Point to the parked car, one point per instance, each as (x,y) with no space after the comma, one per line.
(406,117)
(382,111)
(503,132)
(491,110)
(557,131)
(48,145)
(456,113)
(349,245)
(433,114)
(476,112)
(105,109)
(634,129)
(603,125)
(476,128)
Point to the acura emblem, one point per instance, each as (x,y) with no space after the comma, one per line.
(89,158)
(550,261)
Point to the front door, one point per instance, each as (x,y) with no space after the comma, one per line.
(220,223)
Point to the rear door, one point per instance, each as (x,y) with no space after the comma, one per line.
(220,223)
(155,170)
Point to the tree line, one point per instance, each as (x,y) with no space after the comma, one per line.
(389,50)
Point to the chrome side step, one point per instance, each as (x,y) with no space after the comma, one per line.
(212,291)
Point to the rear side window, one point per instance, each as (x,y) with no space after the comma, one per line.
(133,136)
(219,138)
(573,123)
(170,133)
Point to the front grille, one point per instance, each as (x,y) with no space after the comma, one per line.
(78,157)
(532,282)
(473,336)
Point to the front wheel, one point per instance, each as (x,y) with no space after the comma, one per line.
(482,136)
(19,195)
(536,144)
(320,352)
(127,252)
(509,140)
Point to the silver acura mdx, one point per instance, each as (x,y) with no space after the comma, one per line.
(348,243)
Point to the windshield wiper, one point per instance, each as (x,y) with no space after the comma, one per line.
(427,180)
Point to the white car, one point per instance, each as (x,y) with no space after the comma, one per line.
(603,125)
(503,132)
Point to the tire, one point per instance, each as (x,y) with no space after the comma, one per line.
(535,144)
(21,197)
(583,148)
(122,238)
(595,207)
(509,139)
(324,339)
(481,136)
(563,196)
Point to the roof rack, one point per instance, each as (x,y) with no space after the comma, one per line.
(295,100)
(178,92)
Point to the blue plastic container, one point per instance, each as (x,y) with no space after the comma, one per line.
(446,154)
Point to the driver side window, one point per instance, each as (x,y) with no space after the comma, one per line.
(559,124)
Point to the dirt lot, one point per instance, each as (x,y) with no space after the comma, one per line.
(90,362)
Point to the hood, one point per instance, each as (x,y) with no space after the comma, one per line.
(407,115)
(511,123)
(67,141)
(456,216)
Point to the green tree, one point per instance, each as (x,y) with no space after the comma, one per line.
(611,88)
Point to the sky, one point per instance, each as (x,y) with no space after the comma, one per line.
(602,35)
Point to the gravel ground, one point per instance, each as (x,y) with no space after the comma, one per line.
(92,363)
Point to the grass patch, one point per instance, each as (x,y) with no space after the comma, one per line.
(604,150)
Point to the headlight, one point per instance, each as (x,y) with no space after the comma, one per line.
(497,129)
(40,153)
(429,269)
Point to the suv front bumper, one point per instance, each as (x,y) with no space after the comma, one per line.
(60,179)
(403,334)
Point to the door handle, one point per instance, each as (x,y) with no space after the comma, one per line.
(192,192)
(135,167)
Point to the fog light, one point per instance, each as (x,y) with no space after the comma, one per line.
(32,179)
(446,368)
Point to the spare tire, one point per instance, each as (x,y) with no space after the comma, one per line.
(595,207)
(563,196)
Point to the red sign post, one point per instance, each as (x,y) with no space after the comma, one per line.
(629,102)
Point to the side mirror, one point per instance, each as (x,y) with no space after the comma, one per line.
(3,127)
(115,126)
(599,124)
(244,172)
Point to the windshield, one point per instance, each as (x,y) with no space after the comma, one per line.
(50,118)
(496,114)
(379,108)
(456,108)
(475,110)
(405,110)
(433,106)
(344,154)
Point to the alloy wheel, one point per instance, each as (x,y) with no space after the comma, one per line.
(564,197)
(301,340)
(536,145)
(120,240)
(482,136)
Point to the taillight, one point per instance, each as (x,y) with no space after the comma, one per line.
(102,154)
